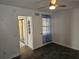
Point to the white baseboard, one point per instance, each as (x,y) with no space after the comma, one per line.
(41,45)
(66,46)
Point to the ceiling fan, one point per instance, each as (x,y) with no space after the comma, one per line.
(53,5)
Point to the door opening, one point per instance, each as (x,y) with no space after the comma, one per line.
(22,31)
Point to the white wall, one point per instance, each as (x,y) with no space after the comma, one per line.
(37,29)
(9,36)
(61,22)
(65,24)
(75,29)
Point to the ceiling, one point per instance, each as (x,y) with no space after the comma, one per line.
(38,4)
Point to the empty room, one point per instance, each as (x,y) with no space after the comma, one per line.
(39,29)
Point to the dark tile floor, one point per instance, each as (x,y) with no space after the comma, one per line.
(53,51)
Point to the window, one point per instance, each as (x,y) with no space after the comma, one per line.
(45,25)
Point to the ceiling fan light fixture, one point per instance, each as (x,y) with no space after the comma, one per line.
(52,7)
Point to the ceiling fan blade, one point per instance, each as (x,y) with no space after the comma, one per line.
(42,7)
(62,5)
(52,2)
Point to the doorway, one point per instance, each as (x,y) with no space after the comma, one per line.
(23,33)
(22,30)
